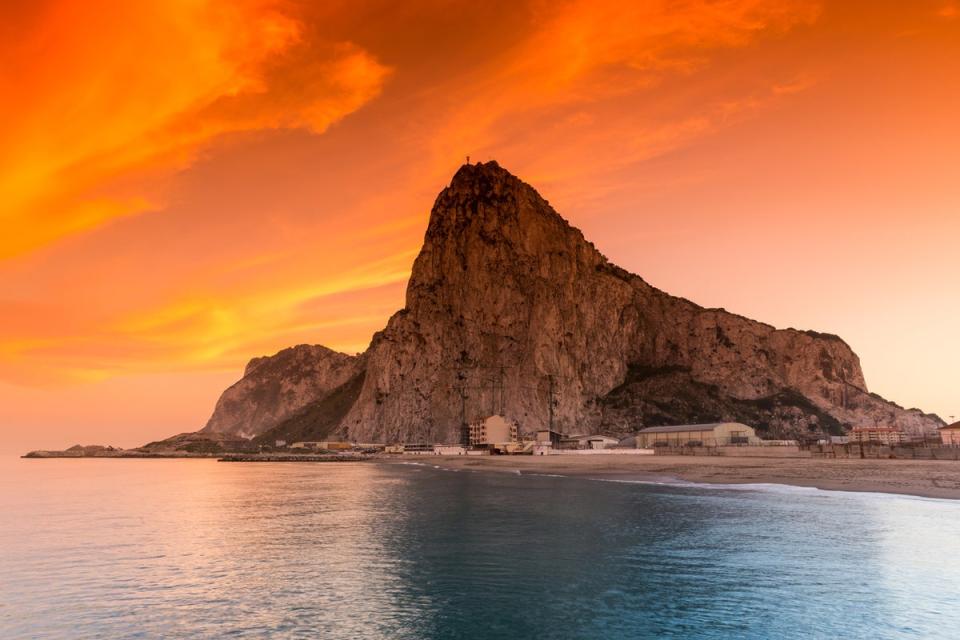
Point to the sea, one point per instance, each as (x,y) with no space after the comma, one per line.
(112,548)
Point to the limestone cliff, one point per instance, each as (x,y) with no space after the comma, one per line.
(507,302)
(276,387)
(509,309)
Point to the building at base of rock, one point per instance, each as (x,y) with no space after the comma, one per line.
(702,435)
(494,432)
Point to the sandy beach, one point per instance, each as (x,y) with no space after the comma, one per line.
(928,478)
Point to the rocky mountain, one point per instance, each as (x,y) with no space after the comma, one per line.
(318,418)
(509,309)
(276,387)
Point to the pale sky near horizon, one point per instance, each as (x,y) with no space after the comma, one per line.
(190,185)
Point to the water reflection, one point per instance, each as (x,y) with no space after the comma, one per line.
(114,548)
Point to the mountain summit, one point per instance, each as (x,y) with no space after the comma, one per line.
(510,310)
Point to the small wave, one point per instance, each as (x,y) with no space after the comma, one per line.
(766,487)
(738,486)
(427,465)
(771,487)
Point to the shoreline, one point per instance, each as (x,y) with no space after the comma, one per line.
(921,478)
(938,479)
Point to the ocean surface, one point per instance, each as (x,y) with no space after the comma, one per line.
(200,549)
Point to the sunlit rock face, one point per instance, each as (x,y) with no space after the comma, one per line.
(510,310)
(503,281)
(275,387)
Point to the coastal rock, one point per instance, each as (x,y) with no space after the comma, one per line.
(78,451)
(275,387)
(197,442)
(510,310)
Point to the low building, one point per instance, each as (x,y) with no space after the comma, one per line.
(393,448)
(495,432)
(950,435)
(717,434)
(877,435)
(478,452)
(326,445)
(595,441)
(449,450)
(418,449)
(548,438)
(786,443)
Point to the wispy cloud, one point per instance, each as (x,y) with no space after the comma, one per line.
(949,10)
(125,96)
(103,100)
(609,77)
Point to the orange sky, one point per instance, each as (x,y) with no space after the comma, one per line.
(186,186)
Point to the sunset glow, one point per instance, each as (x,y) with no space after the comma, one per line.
(191,184)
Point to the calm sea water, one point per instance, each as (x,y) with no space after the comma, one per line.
(196,548)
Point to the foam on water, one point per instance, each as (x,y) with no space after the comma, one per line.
(773,487)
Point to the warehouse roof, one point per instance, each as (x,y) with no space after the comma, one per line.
(685,427)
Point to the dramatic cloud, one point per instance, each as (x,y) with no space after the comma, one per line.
(188,184)
(593,76)
(104,97)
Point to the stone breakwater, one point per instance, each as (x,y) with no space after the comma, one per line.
(273,457)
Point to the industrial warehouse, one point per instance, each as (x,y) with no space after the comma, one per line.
(705,435)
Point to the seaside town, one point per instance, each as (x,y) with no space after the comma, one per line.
(499,435)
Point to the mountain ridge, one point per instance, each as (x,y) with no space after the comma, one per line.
(510,308)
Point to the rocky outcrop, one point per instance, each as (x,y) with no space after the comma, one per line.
(510,310)
(78,451)
(273,388)
(198,442)
(318,419)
